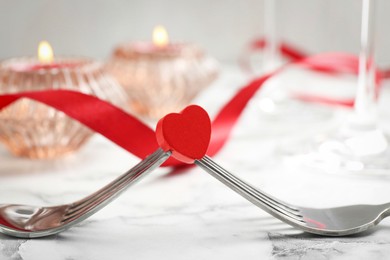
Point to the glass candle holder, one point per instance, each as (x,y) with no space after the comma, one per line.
(35,130)
(161,80)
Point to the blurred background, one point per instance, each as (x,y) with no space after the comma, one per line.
(222,27)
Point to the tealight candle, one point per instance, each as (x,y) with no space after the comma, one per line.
(34,130)
(161,76)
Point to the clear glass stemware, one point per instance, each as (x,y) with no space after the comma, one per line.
(276,102)
(359,145)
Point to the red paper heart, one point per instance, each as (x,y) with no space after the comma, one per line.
(186,134)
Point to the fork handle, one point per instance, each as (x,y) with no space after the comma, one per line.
(81,209)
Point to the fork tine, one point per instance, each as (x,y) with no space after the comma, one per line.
(249,192)
(106,194)
(264,195)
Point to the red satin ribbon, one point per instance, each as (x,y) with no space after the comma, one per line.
(132,135)
(102,117)
(229,114)
(336,64)
(293,53)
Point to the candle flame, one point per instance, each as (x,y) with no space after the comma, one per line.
(160,36)
(45,52)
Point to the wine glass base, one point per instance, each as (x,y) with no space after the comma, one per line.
(277,105)
(366,153)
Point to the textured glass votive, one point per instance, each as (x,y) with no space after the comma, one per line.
(160,80)
(35,130)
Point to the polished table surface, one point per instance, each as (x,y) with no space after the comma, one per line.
(190,215)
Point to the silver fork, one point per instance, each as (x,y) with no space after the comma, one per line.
(339,221)
(27,221)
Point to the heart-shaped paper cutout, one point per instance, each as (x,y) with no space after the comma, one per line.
(186,134)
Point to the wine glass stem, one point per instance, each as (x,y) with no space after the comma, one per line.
(271,49)
(366,96)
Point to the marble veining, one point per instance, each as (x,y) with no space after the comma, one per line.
(188,214)
(9,248)
(305,246)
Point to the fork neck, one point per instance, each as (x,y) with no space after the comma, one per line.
(386,212)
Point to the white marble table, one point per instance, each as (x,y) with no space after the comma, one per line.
(190,215)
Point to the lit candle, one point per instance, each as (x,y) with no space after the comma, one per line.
(160,45)
(45,60)
(161,76)
(45,52)
(34,130)
(160,36)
